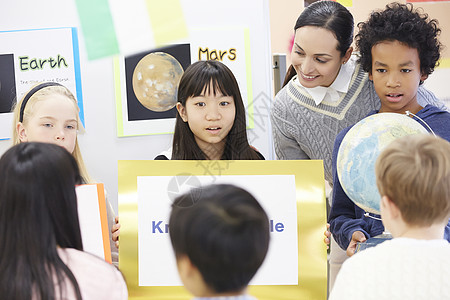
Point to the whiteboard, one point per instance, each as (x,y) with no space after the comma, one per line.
(100,146)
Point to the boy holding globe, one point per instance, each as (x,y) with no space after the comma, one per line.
(413,177)
(399,49)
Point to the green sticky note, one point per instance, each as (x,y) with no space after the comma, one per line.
(98,28)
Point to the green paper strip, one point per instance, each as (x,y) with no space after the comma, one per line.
(98,28)
(167,20)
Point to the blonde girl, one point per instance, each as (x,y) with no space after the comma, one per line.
(25,119)
(48,113)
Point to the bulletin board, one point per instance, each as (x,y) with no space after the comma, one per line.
(26,61)
(100,145)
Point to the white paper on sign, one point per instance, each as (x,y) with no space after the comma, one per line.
(90,221)
(157,265)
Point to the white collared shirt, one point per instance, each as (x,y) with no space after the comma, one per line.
(337,88)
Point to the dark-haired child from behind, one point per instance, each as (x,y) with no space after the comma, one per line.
(220,240)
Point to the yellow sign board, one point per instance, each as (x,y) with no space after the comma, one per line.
(311,220)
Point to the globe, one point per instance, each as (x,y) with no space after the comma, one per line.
(155,81)
(359,150)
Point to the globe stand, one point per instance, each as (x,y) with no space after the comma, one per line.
(373,241)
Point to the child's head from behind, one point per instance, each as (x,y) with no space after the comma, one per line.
(211,113)
(38,214)
(414,173)
(223,234)
(48,113)
(399,48)
(38,204)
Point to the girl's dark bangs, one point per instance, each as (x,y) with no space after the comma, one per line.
(215,79)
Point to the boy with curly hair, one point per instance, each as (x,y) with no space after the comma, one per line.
(399,49)
(413,177)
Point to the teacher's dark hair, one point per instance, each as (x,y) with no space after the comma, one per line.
(328,15)
(38,213)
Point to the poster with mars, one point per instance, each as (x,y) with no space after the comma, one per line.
(146,83)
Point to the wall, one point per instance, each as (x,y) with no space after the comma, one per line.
(100,145)
(102,148)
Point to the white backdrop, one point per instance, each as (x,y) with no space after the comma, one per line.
(100,145)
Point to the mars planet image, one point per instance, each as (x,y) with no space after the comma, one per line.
(155,81)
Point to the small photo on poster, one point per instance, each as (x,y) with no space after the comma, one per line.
(7,83)
(152,81)
(147,94)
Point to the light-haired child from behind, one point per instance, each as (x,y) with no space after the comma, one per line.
(413,178)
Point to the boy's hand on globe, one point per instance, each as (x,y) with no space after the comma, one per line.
(357,237)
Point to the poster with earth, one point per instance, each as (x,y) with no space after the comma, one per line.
(25,60)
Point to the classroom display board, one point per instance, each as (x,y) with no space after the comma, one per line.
(146,98)
(295,266)
(25,61)
(199,26)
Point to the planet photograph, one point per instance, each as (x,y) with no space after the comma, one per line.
(155,81)
(152,78)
